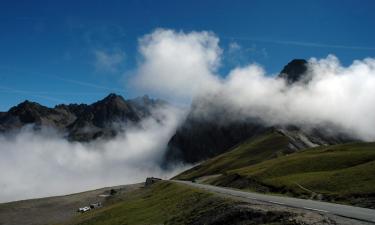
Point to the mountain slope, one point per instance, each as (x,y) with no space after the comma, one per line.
(212,128)
(197,139)
(271,144)
(250,152)
(343,173)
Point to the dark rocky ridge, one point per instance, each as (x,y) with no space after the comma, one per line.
(294,71)
(81,122)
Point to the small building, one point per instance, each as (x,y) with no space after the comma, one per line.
(151,180)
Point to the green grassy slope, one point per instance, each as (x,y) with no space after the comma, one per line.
(344,173)
(252,151)
(171,203)
(339,172)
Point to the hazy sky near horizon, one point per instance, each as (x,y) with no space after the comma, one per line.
(79,51)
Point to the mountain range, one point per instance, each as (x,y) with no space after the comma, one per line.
(196,139)
(81,122)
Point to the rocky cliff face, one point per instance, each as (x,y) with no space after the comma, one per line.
(81,122)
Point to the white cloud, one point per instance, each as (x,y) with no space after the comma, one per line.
(184,65)
(336,95)
(108,61)
(43,164)
(177,64)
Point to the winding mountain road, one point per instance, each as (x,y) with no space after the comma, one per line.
(358,213)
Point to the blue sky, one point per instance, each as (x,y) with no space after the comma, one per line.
(79,51)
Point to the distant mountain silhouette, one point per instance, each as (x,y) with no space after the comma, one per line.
(81,122)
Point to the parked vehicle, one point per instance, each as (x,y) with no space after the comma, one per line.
(84,209)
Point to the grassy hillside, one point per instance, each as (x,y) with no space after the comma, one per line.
(340,172)
(171,203)
(343,173)
(252,151)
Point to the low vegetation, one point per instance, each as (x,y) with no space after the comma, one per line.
(342,173)
(339,173)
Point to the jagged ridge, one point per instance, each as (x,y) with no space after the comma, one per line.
(81,122)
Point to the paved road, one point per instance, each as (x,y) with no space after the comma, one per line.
(325,207)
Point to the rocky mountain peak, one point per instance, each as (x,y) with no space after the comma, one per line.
(26,105)
(294,70)
(112,99)
(29,112)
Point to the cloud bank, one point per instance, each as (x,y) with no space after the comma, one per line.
(43,164)
(184,65)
